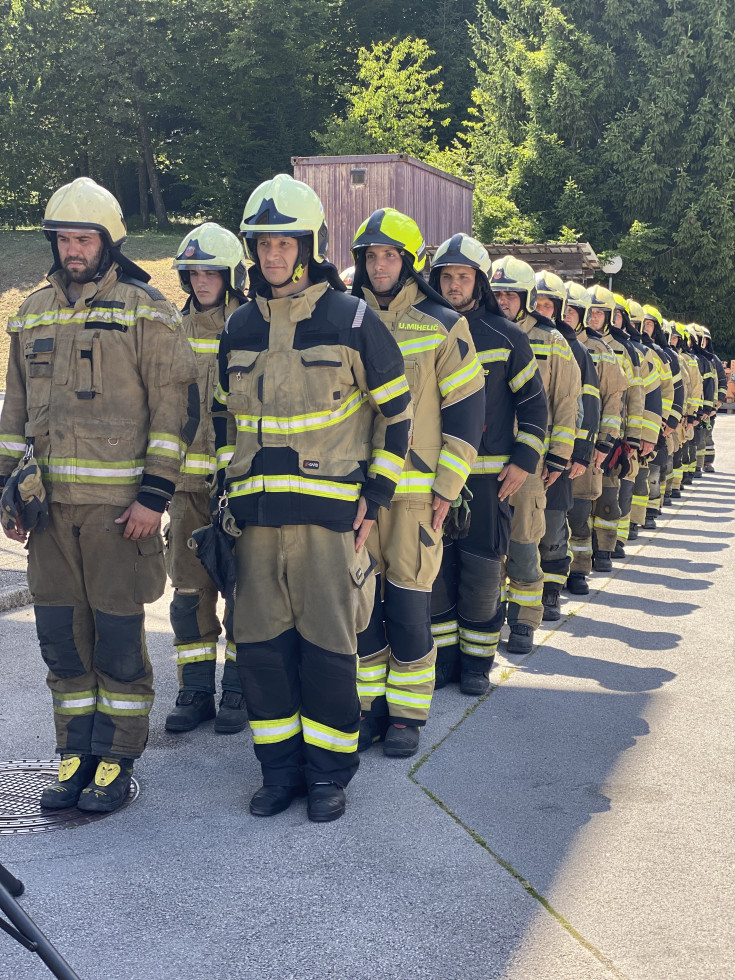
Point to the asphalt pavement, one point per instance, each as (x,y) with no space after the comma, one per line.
(574,824)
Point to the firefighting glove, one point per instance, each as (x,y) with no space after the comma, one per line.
(24,498)
(617,457)
(214,546)
(457,521)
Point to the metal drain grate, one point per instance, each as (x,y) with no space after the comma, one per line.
(21,785)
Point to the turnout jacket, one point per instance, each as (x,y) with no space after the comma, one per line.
(106,389)
(447,392)
(562,382)
(613,386)
(721,378)
(694,403)
(653,404)
(516,410)
(204,329)
(311,410)
(584,442)
(633,402)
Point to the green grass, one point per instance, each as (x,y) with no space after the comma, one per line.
(25,258)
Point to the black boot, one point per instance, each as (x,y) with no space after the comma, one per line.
(402,743)
(697,473)
(676,493)
(192,708)
(650,524)
(709,468)
(550,600)
(232,716)
(602,562)
(577,583)
(326,802)
(619,550)
(75,771)
(633,532)
(110,786)
(687,479)
(521,638)
(270,800)
(667,499)
(372,730)
(476,682)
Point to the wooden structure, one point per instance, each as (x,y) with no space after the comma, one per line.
(573,260)
(352,187)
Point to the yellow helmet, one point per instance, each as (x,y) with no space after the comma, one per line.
(651,313)
(635,311)
(85,204)
(288,207)
(210,246)
(679,330)
(602,299)
(579,299)
(550,285)
(513,275)
(387,226)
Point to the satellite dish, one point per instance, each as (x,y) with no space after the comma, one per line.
(613,266)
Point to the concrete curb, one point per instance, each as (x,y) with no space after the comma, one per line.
(13,596)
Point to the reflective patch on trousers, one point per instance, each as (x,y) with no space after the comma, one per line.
(119,649)
(55,629)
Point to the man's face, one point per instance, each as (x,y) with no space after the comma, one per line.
(208,287)
(80,254)
(545,306)
(278,256)
(597,319)
(572,318)
(618,318)
(457,283)
(384,265)
(674,339)
(648,327)
(509,302)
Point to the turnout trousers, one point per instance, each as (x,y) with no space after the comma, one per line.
(302,595)
(466,604)
(525,578)
(709,442)
(640,493)
(193,611)
(397,652)
(89,584)
(554,547)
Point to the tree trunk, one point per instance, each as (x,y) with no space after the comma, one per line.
(145,218)
(145,142)
(116,185)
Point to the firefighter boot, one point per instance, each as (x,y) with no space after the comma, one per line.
(372,730)
(232,716)
(474,679)
(619,550)
(667,499)
(401,743)
(326,802)
(577,584)
(192,708)
(676,493)
(75,771)
(110,786)
(650,524)
(270,800)
(550,600)
(602,562)
(709,468)
(633,532)
(520,639)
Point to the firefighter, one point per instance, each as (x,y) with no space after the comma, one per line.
(314,406)
(588,485)
(396,672)
(719,382)
(709,395)
(211,267)
(514,286)
(696,407)
(102,383)
(554,545)
(467,609)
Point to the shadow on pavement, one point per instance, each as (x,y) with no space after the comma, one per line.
(630,574)
(661,542)
(679,564)
(704,532)
(627,636)
(652,607)
(610,674)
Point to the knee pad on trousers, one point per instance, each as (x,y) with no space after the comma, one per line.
(408,623)
(185,619)
(607,506)
(119,650)
(579,519)
(55,629)
(444,591)
(522,563)
(654,481)
(625,496)
(479,587)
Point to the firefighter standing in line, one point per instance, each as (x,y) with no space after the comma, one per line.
(554,545)
(467,609)
(211,269)
(613,390)
(396,672)
(313,404)
(514,286)
(99,380)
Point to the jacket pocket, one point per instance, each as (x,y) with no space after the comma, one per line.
(243,380)
(105,453)
(327,380)
(361,570)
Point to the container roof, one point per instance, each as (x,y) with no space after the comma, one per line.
(368,158)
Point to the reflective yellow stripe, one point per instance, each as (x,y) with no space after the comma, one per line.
(128,705)
(328,738)
(445,634)
(372,673)
(420,345)
(412,481)
(63,470)
(560,433)
(302,423)
(67,316)
(488,464)
(200,346)
(524,597)
(12,445)
(198,463)
(399,678)
(384,393)
(230,651)
(294,484)
(591,390)
(386,464)
(527,439)
(164,444)
(461,377)
(454,463)
(523,376)
(277,730)
(75,703)
(220,395)
(393,696)
(499,355)
(224,456)
(189,653)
